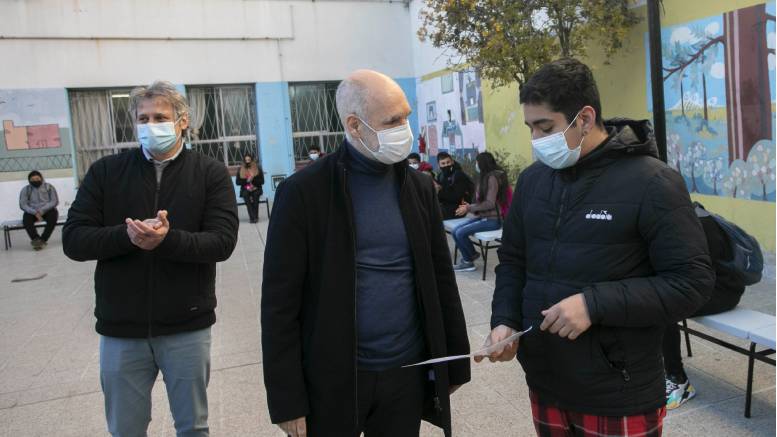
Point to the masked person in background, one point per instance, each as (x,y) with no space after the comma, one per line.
(39,202)
(454,187)
(250,179)
(368,287)
(314,153)
(157,220)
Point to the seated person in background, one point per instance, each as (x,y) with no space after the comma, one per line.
(314,152)
(729,287)
(39,202)
(454,187)
(414,161)
(491,192)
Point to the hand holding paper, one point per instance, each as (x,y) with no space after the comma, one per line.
(498,345)
(501,344)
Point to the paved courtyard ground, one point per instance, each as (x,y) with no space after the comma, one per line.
(49,384)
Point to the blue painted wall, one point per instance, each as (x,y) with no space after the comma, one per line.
(273,115)
(408,86)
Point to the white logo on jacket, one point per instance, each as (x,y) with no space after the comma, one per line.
(601,215)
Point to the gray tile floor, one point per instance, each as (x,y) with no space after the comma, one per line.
(49,382)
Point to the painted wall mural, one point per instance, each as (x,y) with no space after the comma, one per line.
(34,130)
(719,91)
(451,120)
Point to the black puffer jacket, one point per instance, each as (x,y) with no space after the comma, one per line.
(170,289)
(620,228)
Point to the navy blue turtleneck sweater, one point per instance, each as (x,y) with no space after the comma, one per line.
(387,314)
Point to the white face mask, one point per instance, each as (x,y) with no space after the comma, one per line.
(414,166)
(313,156)
(554,151)
(393,144)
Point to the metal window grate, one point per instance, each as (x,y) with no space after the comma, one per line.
(223,122)
(314,118)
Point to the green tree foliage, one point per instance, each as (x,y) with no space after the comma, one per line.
(507,40)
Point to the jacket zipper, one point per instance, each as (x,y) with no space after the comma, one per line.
(555,231)
(349,208)
(151,282)
(624,373)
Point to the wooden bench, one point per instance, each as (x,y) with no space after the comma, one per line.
(753,326)
(15,225)
(484,240)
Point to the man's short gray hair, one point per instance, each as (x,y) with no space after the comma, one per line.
(351,99)
(163,89)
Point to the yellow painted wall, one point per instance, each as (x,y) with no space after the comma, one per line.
(623,87)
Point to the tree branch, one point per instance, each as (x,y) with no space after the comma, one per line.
(692,59)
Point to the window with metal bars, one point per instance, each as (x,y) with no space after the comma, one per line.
(223,122)
(314,119)
(102,125)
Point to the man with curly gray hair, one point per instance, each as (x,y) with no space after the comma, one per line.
(157,220)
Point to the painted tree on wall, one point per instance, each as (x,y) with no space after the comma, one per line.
(714,173)
(761,161)
(749,113)
(749,109)
(692,61)
(737,181)
(674,152)
(692,163)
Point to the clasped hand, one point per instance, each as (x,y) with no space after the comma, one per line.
(149,233)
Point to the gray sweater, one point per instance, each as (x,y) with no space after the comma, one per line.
(389,329)
(38,200)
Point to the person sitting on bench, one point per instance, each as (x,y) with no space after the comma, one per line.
(39,202)
(490,195)
(729,286)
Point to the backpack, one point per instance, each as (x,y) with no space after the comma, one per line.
(748,260)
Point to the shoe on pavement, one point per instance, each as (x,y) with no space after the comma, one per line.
(464,266)
(678,391)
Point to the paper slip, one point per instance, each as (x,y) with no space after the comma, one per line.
(481,352)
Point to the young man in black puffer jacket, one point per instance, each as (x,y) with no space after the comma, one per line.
(601,250)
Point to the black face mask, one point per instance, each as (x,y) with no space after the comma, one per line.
(447,171)
(248,163)
(36,184)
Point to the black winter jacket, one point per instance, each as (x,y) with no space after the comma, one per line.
(620,228)
(170,289)
(309,294)
(454,189)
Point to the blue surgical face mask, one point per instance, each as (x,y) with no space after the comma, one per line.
(157,138)
(554,151)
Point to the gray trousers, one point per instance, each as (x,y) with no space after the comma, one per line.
(129,367)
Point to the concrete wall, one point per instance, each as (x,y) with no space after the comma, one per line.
(102,43)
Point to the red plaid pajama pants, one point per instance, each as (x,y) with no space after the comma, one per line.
(550,421)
